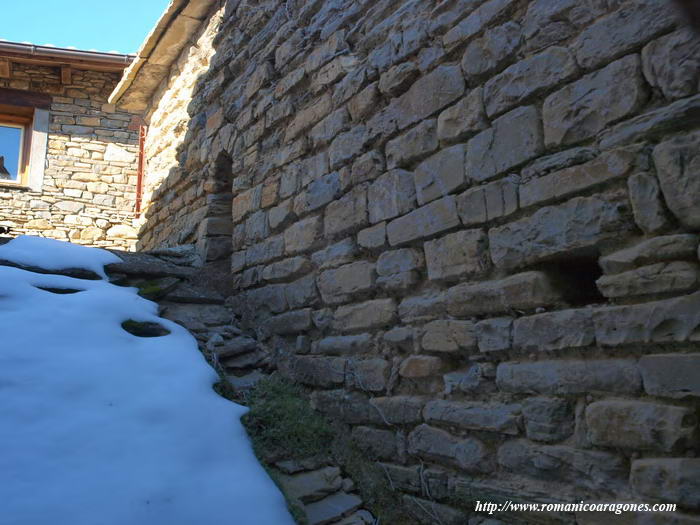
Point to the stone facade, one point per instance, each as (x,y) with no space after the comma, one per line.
(470,227)
(88,192)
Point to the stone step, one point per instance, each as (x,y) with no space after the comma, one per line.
(312,486)
(187,293)
(144,264)
(332,508)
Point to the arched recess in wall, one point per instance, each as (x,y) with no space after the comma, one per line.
(214,232)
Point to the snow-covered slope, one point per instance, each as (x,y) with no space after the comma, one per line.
(100,427)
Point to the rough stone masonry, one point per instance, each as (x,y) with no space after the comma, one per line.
(471,227)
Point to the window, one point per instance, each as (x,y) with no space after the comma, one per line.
(15,133)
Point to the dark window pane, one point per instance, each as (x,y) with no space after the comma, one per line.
(10,147)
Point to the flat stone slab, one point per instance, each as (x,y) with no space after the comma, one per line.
(187,293)
(77,273)
(147,265)
(332,508)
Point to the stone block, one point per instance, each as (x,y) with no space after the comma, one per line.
(372,238)
(528,78)
(647,204)
(448,336)
(469,454)
(290,322)
(607,167)
(280,215)
(267,298)
(440,174)
(435,217)
(671,375)
(332,508)
(344,344)
(463,119)
(313,485)
(514,138)
(326,130)
(367,167)
(341,252)
(621,31)
(674,480)
(430,94)
(677,276)
(569,376)
(640,425)
(391,195)
(490,52)
(309,116)
(414,144)
(302,235)
(678,168)
(347,213)
(494,335)
(376,443)
(419,366)
(318,193)
(559,160)
(399,410)
(666,321)
(665,248)
(286,269)
(346,146)
(601,472)
(425,307)
(548,419)
(399,261)
(351,407)
(341,284)
(463,254)
(302,292)
(368,375)
(265,251)
(671,63)
(554,331)
(681,115)
(491,417)
(489,201)
(581,223)
(469,381)
(524,291)
(369,314)
(583,108)
(476,22)
(398,78)
(315,371)
(364,102)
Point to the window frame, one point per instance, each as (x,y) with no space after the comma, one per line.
(25,142)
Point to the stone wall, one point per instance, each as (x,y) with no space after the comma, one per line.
(471,229)
(89,190)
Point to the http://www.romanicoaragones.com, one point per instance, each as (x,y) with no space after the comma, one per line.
(615,508)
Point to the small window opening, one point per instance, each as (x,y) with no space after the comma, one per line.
(576,277)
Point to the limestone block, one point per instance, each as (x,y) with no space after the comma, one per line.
(316,371)
(345,344)
(463,119)
(440,174)
(569,376)
(435,217)
(347,213)
(560,160)
(246,202)
(681,115)
(677,276)
(670,320)
(528,78)
(579,223)
(599,471)
(665,248)
(671,63)
(368,375)
(115,153)
(121,231)
(302,292)
(256,226)
(323,53)
(647,206)
(369,314)
(418,366)
(678,168)
(377,444)
(675,480)
(367,167)
(607,167)
(302,235)
(548,419)
(398,78)
(491,417)
(469,381)
(91,233)
(671,375)
(469,454)
(326,130)
(341,252)
(265,251)
(280,215)
(267,298)
(415,143)
(318,193)
(524,291)
(430,94)
(313,485)
(622,30)
(491,51)
(391,195)
(399,261)
(351,407)
(332,508)
(514,138)
(494,335)
(448,336)
(489,201)
(425,307)
(364,102)
(332,72)
(554,331)
(373,237)
(457,255)
(399,410)
(69,206)
(583,108)
(346,146)
(309,116)
(476,21)
(340,285)
(640,425)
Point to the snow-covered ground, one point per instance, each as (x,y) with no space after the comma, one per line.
(100,427)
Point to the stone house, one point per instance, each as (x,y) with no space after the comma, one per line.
(469,226)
